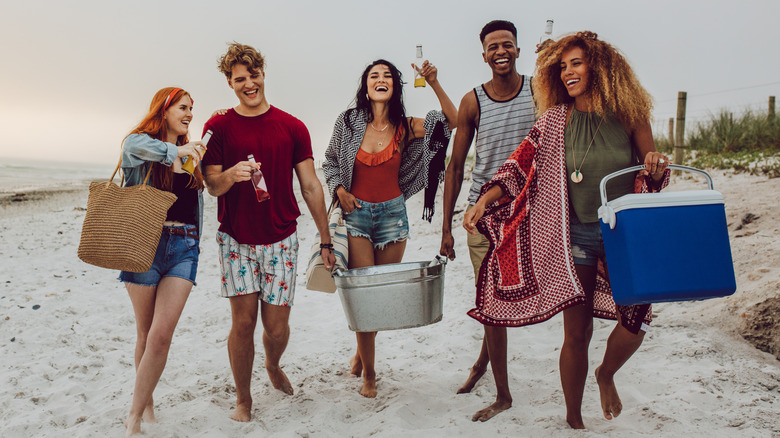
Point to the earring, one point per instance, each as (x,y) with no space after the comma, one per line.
(368,98)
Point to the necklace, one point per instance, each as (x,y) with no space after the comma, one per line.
(576,176)
(379,130)
(511,91)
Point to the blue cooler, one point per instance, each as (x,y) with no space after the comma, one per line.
(666,246)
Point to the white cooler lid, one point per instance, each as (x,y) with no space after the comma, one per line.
(665,199)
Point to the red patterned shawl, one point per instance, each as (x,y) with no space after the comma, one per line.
(528,273)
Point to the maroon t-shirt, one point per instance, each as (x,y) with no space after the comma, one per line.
(278,142)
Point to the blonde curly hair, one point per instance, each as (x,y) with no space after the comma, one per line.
(614,88)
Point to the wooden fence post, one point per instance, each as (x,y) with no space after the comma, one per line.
(671,131)
(679,141)
(771,113)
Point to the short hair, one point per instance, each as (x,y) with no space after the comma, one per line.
(497,25)
(240,54)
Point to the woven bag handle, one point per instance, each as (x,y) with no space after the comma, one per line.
(119,164)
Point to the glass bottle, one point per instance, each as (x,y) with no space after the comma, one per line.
(258,182)
(419,80)
(188,165)
(547,35)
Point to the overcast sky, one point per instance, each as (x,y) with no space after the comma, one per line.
(78,75)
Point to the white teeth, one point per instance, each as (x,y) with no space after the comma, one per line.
(381,88)
(572,81)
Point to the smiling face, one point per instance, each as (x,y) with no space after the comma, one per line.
(379,83)
(500,51)
(575,73)
(178,117)
(249,88)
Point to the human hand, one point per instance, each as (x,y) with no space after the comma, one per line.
(220,112)
(348,201)
(242,171)
(472,216)
(194,150)
(447,245)
(543,45)
(428,71)
(328,258)
(655,165)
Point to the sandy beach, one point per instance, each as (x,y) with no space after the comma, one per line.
(67,334)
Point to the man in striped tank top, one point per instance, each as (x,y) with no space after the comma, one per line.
(500,112)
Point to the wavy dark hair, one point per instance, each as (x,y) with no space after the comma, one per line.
(396,110)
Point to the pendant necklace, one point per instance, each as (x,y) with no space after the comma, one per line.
(576,176)
(379,130)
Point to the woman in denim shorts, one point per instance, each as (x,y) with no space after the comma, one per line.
(595,121)
(158,295)
(376,159)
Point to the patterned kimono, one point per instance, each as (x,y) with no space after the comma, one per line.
(528,274)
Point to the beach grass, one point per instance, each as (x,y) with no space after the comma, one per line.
(749,142)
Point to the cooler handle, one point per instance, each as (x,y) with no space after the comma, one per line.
(603,184)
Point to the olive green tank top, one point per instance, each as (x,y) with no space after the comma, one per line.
(610,151)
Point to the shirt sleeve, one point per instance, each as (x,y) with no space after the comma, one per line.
(213,155)
(140,148)
(302,141)
(331,165)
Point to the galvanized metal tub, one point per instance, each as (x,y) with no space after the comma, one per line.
(394,296)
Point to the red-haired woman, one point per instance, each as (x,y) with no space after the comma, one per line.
(159,294)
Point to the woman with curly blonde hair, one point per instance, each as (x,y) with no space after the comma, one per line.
(540,214)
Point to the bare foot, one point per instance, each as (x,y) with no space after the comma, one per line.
(243,412)
(491,411)
(148,415)
(279,379)
(475,374)
(357,366)
(369,387)
(575,423)
(133,425)
(610,401)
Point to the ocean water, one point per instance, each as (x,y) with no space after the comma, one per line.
(18,175)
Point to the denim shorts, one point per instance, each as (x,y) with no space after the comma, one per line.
(176,256)
(586,244)
(381,223)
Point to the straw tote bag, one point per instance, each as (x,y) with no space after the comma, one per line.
(317,277)
(123,225)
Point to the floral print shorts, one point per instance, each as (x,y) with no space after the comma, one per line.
(267,270)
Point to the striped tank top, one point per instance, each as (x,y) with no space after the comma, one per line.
(502,127)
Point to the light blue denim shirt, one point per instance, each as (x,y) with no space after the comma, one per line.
(139,151)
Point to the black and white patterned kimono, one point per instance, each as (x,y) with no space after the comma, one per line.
(422,160)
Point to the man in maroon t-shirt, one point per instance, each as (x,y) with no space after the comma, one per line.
(258,244)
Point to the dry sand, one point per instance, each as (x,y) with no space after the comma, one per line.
(67,335)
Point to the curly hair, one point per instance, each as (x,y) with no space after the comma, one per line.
(613,88)
(240,54)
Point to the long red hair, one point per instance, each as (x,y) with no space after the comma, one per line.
(155,126)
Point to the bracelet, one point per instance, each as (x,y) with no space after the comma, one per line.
(326,246)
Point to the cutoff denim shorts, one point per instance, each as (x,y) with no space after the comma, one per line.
(176,256)
(587,247)
(381,223)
